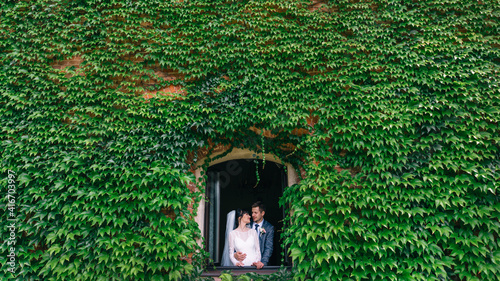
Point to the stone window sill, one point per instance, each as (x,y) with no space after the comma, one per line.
(236,270)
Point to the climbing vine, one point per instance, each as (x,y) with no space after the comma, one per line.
(389,111)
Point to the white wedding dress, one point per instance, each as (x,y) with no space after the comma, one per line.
(246,242)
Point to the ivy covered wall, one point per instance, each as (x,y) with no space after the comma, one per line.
(391,108)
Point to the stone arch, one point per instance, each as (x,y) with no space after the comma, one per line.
(234,154)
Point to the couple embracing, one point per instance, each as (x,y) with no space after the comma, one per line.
(248,242)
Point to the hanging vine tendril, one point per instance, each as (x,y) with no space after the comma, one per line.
(256,161)
(263,149)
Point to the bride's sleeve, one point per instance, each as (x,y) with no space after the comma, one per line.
(231,247)
(257,245)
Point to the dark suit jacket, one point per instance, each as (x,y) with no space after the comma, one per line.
(266,241)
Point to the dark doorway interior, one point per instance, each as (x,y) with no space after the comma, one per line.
(234,184)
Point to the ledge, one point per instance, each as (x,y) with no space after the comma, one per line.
(237,270)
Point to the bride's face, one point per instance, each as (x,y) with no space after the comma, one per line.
(245,218)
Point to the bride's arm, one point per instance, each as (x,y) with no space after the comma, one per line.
(257,245)
(257,262)
(231,248)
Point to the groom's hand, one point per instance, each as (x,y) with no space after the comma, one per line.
(239,256)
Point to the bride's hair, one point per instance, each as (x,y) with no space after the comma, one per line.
(239,214)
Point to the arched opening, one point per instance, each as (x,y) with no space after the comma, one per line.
(232,183)
(238,184)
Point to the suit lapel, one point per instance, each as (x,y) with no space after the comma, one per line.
(261,237)
(261,243)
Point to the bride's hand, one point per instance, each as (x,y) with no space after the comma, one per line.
(239,264)
(258,264)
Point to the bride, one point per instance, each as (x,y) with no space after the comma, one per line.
(242,239)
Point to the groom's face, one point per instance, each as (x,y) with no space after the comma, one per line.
(257,215)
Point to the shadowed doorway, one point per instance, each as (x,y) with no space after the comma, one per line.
(238,184)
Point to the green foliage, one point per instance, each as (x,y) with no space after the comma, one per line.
(401,168)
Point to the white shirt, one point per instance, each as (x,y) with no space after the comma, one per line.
(260,226)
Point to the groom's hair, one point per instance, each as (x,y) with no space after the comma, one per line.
(260,205)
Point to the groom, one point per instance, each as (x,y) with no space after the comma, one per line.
(265,231)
